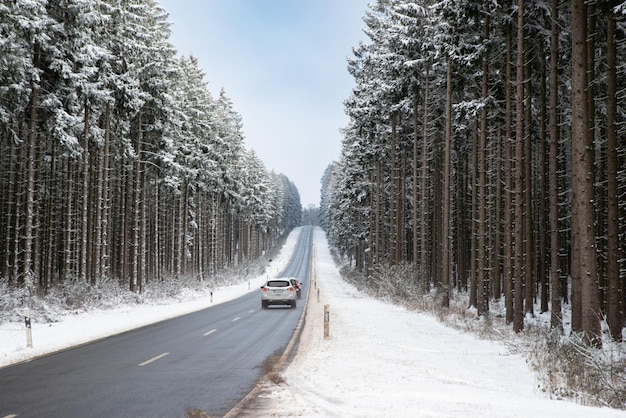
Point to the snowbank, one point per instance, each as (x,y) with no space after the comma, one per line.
(384,361)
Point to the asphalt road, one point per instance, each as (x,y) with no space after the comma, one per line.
(208,360)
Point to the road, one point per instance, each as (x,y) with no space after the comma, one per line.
(208,360)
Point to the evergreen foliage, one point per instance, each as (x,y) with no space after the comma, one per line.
(119,164)
(447,161)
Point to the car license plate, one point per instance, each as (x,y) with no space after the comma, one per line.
(278,291)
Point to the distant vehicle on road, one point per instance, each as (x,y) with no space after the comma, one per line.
(296,284)
(278,292)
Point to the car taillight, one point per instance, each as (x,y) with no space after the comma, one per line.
(265,289)
(291,289)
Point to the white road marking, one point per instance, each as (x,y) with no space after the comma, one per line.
(10,416)
(153,359)
(209,332)
(251,310)
(236,319)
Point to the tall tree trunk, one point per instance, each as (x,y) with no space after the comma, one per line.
(29,221)
(508,266)
(518,283)
(424,270)
(415,232)
(10,231)
(393,210)
(556,316)
(483,281)
(445,212)
(106,238)
(543,212)
(528,232)
(614,296)
(68,222)
(583,177)
(475,276)
(497,240)
(84,211)
(51,225)
(378,240)
(401,253)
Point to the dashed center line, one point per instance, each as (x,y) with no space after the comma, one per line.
(251,310)
(236,319)
(209,332)
(153,359)
(10,416)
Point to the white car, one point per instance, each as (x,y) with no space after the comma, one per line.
(278,292)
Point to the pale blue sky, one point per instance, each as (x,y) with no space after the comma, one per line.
(283,63)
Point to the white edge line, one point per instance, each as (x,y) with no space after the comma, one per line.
(153,359)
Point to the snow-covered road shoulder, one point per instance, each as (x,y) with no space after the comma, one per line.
(384,361)
(74,329)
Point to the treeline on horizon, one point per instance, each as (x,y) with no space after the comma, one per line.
(117,161)
(485,149)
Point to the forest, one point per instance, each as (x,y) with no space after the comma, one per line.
(485,152)
(117,162)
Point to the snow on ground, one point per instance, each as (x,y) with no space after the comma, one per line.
(75,329)
(380,360)
(384,361)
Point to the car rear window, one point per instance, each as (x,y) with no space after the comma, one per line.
(278,283)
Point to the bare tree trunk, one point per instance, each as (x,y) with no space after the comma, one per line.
(105,253)
(379,215)
(465,247)
(543,211)
(497,241)
(393,210)
(10,231)
(84,222)
(518,283)
(482,279)
(142,224)
(473,230)
(424,270)
(31,165)
(508,271)
(68,223)
(51,225)
(582,178)
(528,233)
(445,219)
(401,253)
(614,296)
(415,235)
(556,316)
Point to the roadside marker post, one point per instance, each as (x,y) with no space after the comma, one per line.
(326,322)
(29,330)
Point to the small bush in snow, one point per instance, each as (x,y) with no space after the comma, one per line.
(570,368)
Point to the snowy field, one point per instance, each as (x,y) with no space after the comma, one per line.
(384,361)
(380,360)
